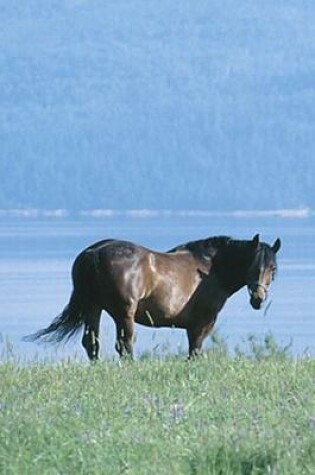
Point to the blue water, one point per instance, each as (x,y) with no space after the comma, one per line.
(36,254)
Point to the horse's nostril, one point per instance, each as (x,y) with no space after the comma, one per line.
(255,303)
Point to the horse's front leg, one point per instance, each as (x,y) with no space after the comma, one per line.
(196,336)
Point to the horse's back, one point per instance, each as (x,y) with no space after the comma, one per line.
(126,252)
(136,272)
(125,256)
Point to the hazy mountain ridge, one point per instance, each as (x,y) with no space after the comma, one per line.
(145,105)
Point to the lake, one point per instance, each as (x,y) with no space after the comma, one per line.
(37,251)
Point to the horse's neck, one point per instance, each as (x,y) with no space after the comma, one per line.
(209,296)
(231,269)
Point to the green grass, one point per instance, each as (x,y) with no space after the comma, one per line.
(247,414)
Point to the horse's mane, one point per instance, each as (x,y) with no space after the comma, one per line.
(207,248)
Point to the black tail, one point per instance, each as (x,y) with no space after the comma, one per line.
(75,313)
(64,325)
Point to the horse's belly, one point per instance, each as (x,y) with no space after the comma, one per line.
(158,317)
(150,321)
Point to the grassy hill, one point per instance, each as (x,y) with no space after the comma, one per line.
(243,415)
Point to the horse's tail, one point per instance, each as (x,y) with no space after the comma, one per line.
(74,315)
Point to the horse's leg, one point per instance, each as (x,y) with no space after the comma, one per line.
(90,339)
(196,336)
(124,340)
(125,331)
(119,345)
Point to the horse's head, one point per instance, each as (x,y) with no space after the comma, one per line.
(261,270)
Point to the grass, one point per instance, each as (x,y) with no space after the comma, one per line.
(247,414)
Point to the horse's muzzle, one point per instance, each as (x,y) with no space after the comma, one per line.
(258,294)
(256,302)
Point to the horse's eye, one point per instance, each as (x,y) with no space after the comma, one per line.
(273,271)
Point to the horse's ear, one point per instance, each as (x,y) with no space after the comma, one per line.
(255,241)
(276,246)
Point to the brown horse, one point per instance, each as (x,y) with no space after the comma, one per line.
(185,287)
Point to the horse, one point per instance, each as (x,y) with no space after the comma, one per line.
(185,287)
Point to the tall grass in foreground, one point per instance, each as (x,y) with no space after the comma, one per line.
(250,414)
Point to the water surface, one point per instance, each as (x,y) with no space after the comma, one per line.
(36,255)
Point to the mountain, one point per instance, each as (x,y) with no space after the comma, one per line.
(142,104)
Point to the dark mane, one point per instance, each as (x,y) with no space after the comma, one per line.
(207,248)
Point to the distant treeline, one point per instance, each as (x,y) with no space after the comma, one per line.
(157,105)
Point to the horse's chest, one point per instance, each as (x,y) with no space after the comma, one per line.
(208,299)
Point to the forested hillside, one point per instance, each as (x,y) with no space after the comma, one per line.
(157,104)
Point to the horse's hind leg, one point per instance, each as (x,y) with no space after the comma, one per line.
(90,339)
(125,331)
(124,339)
